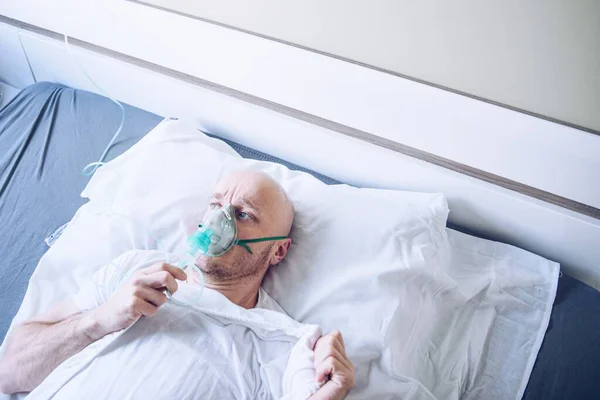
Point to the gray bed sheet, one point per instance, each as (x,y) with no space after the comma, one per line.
(49,132)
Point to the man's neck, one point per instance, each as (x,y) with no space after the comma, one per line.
(244,294)
(239,295)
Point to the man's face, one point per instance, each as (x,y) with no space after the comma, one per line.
(261,210)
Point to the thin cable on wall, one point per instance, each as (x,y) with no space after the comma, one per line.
(89,169)
(26,57)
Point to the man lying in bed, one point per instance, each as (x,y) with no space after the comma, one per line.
(262,209)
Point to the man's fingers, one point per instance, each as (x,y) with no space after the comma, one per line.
(324,369)
(337,336)
(173,270)
(331,352)
(152,296)
(329,366)
(164,279)
(332,362)
(145,308)
(330,341)
(157,280)
(322,352)
(330,357)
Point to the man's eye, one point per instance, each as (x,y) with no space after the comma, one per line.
(243,216)
(213,206)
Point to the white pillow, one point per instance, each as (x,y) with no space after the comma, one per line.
(347,242)
(172,128)
(349,249)
(177,131)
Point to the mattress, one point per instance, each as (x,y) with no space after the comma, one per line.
(49,132)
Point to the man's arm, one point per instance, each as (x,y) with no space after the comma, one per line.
(333,367)
(37,347)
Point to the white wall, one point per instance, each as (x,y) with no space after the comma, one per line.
(13,63)
(538,55)
(559,234)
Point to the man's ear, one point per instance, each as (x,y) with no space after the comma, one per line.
(281,251)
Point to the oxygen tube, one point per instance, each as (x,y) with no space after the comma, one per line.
(195,244)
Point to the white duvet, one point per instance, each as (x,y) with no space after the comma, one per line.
(212,350)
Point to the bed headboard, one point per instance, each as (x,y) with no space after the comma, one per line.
(508,175)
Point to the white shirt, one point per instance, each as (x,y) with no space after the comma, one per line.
(215,350)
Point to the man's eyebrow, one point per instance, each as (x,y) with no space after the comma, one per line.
(247,202)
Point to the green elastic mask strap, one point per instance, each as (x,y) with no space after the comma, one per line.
(244,243)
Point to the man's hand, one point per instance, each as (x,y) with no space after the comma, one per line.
(38,346)
(333,367)
(141,295)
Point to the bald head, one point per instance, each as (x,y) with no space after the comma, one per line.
(261,192)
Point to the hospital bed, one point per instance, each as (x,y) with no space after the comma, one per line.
(49,131)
